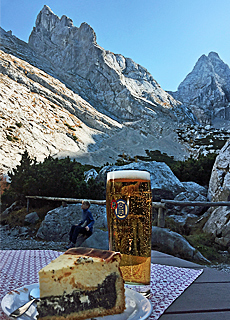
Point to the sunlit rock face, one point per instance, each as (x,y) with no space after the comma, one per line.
(206,90)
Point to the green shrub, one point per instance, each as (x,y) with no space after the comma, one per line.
(197,170)
(9,138)
(52,178)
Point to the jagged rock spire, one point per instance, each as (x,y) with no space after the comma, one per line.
(206,90)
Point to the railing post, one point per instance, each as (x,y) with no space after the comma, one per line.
(28,205)
(161,218)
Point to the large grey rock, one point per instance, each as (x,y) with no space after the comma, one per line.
(187,196)
(57,223)
(91,174)
(164,183)
(173,243)
(219,184)
(32,218)
(218,223)
(191,187)
(183,219)
(99,240)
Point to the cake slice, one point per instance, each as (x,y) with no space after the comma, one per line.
(80,284)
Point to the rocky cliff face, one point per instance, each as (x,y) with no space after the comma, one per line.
(38,113)
(218,223)
(206,90)
(62,94)
(110,82)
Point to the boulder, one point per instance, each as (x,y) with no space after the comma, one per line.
(189,196)
(92,173)
(219,184)
(164,183)
(57,222)
(191,187)
(99,240)
(183,224)
(173,243)
(218,223)
(31,218)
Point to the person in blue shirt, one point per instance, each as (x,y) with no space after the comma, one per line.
(85,227)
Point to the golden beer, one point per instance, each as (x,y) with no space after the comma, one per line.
(129,215)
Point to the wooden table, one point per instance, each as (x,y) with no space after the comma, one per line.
(207,298)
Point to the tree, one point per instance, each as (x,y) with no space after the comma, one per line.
(198,170)
(52,178)
(22,177)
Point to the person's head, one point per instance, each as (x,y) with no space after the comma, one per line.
(85,205)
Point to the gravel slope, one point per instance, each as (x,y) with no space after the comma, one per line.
(10,242)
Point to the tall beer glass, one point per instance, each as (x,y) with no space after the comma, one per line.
(129,215)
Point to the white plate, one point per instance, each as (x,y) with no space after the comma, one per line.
(137,306)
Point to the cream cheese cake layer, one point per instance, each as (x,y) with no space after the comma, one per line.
(80,268)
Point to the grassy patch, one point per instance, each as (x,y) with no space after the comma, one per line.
(206,245)
(9,138)
(18,124)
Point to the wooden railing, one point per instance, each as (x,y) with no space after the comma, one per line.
(161,206)
(62,200)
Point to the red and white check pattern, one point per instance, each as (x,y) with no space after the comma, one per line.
(167,284)
(20,267)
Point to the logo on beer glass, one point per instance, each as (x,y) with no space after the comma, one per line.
(113,204)
(122,209)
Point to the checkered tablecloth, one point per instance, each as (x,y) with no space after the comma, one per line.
(20,267)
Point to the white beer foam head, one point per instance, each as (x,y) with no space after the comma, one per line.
(128,174)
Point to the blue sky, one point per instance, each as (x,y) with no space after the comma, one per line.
(166,37)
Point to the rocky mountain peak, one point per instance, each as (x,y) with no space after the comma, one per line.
(46,20)
(213,55)
(206,90)
(115,85)
(59,31)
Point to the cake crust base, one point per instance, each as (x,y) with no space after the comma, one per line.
(84,314)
